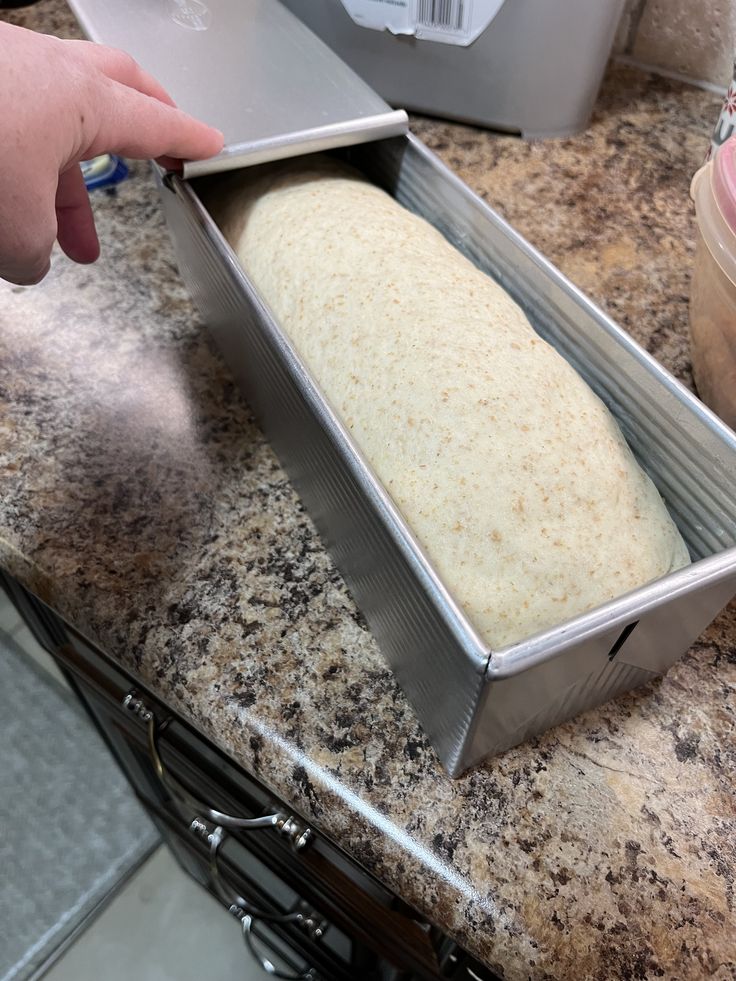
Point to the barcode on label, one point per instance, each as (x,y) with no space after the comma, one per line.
(446,15)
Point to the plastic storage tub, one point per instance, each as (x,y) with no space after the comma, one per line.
(713,290)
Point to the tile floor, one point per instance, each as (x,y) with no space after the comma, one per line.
(12,625)
(161,925)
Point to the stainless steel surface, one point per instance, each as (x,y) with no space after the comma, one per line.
(528,72)
(250,68)
(300,142)
(473,701)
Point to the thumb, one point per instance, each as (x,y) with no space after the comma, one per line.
(76,224)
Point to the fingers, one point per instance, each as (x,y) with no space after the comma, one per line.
(138,117)
(67,101)
(26,240)
(136,123)
(26,274)
(169,163)
(121,67)
(27,227)
(76,225)
(140,126)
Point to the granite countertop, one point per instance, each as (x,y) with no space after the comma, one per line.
(140,500)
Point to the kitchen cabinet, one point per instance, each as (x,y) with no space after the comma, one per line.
(302,903)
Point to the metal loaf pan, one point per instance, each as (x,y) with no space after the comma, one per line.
(473,701)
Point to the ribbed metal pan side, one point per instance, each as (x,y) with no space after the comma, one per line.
(433,652)
(688,452)
(500,728)
(690,455)
(456,687)
(523,698)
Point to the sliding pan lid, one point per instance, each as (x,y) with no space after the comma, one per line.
(248,67)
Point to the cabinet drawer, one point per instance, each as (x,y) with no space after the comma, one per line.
(297,933)
(268,855)
(132,719)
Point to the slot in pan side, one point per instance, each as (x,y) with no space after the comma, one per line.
(555,676)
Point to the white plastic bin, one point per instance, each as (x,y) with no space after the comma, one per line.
(713,289)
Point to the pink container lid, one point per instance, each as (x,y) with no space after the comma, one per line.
(723,181)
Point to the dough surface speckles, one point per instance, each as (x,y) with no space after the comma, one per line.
(509,470)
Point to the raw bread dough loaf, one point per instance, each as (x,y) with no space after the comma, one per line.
(512,474)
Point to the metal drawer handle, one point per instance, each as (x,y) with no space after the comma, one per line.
(244,911)
(307,919)
(286,824)
(266,964)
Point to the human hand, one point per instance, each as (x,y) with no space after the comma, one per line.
(62,102)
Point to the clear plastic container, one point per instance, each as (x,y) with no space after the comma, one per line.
(713,288)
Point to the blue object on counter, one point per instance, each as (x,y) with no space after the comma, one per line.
(103,171)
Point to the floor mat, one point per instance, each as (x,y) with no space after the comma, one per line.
(71,827)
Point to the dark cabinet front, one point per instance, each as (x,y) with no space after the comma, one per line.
(306,909)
